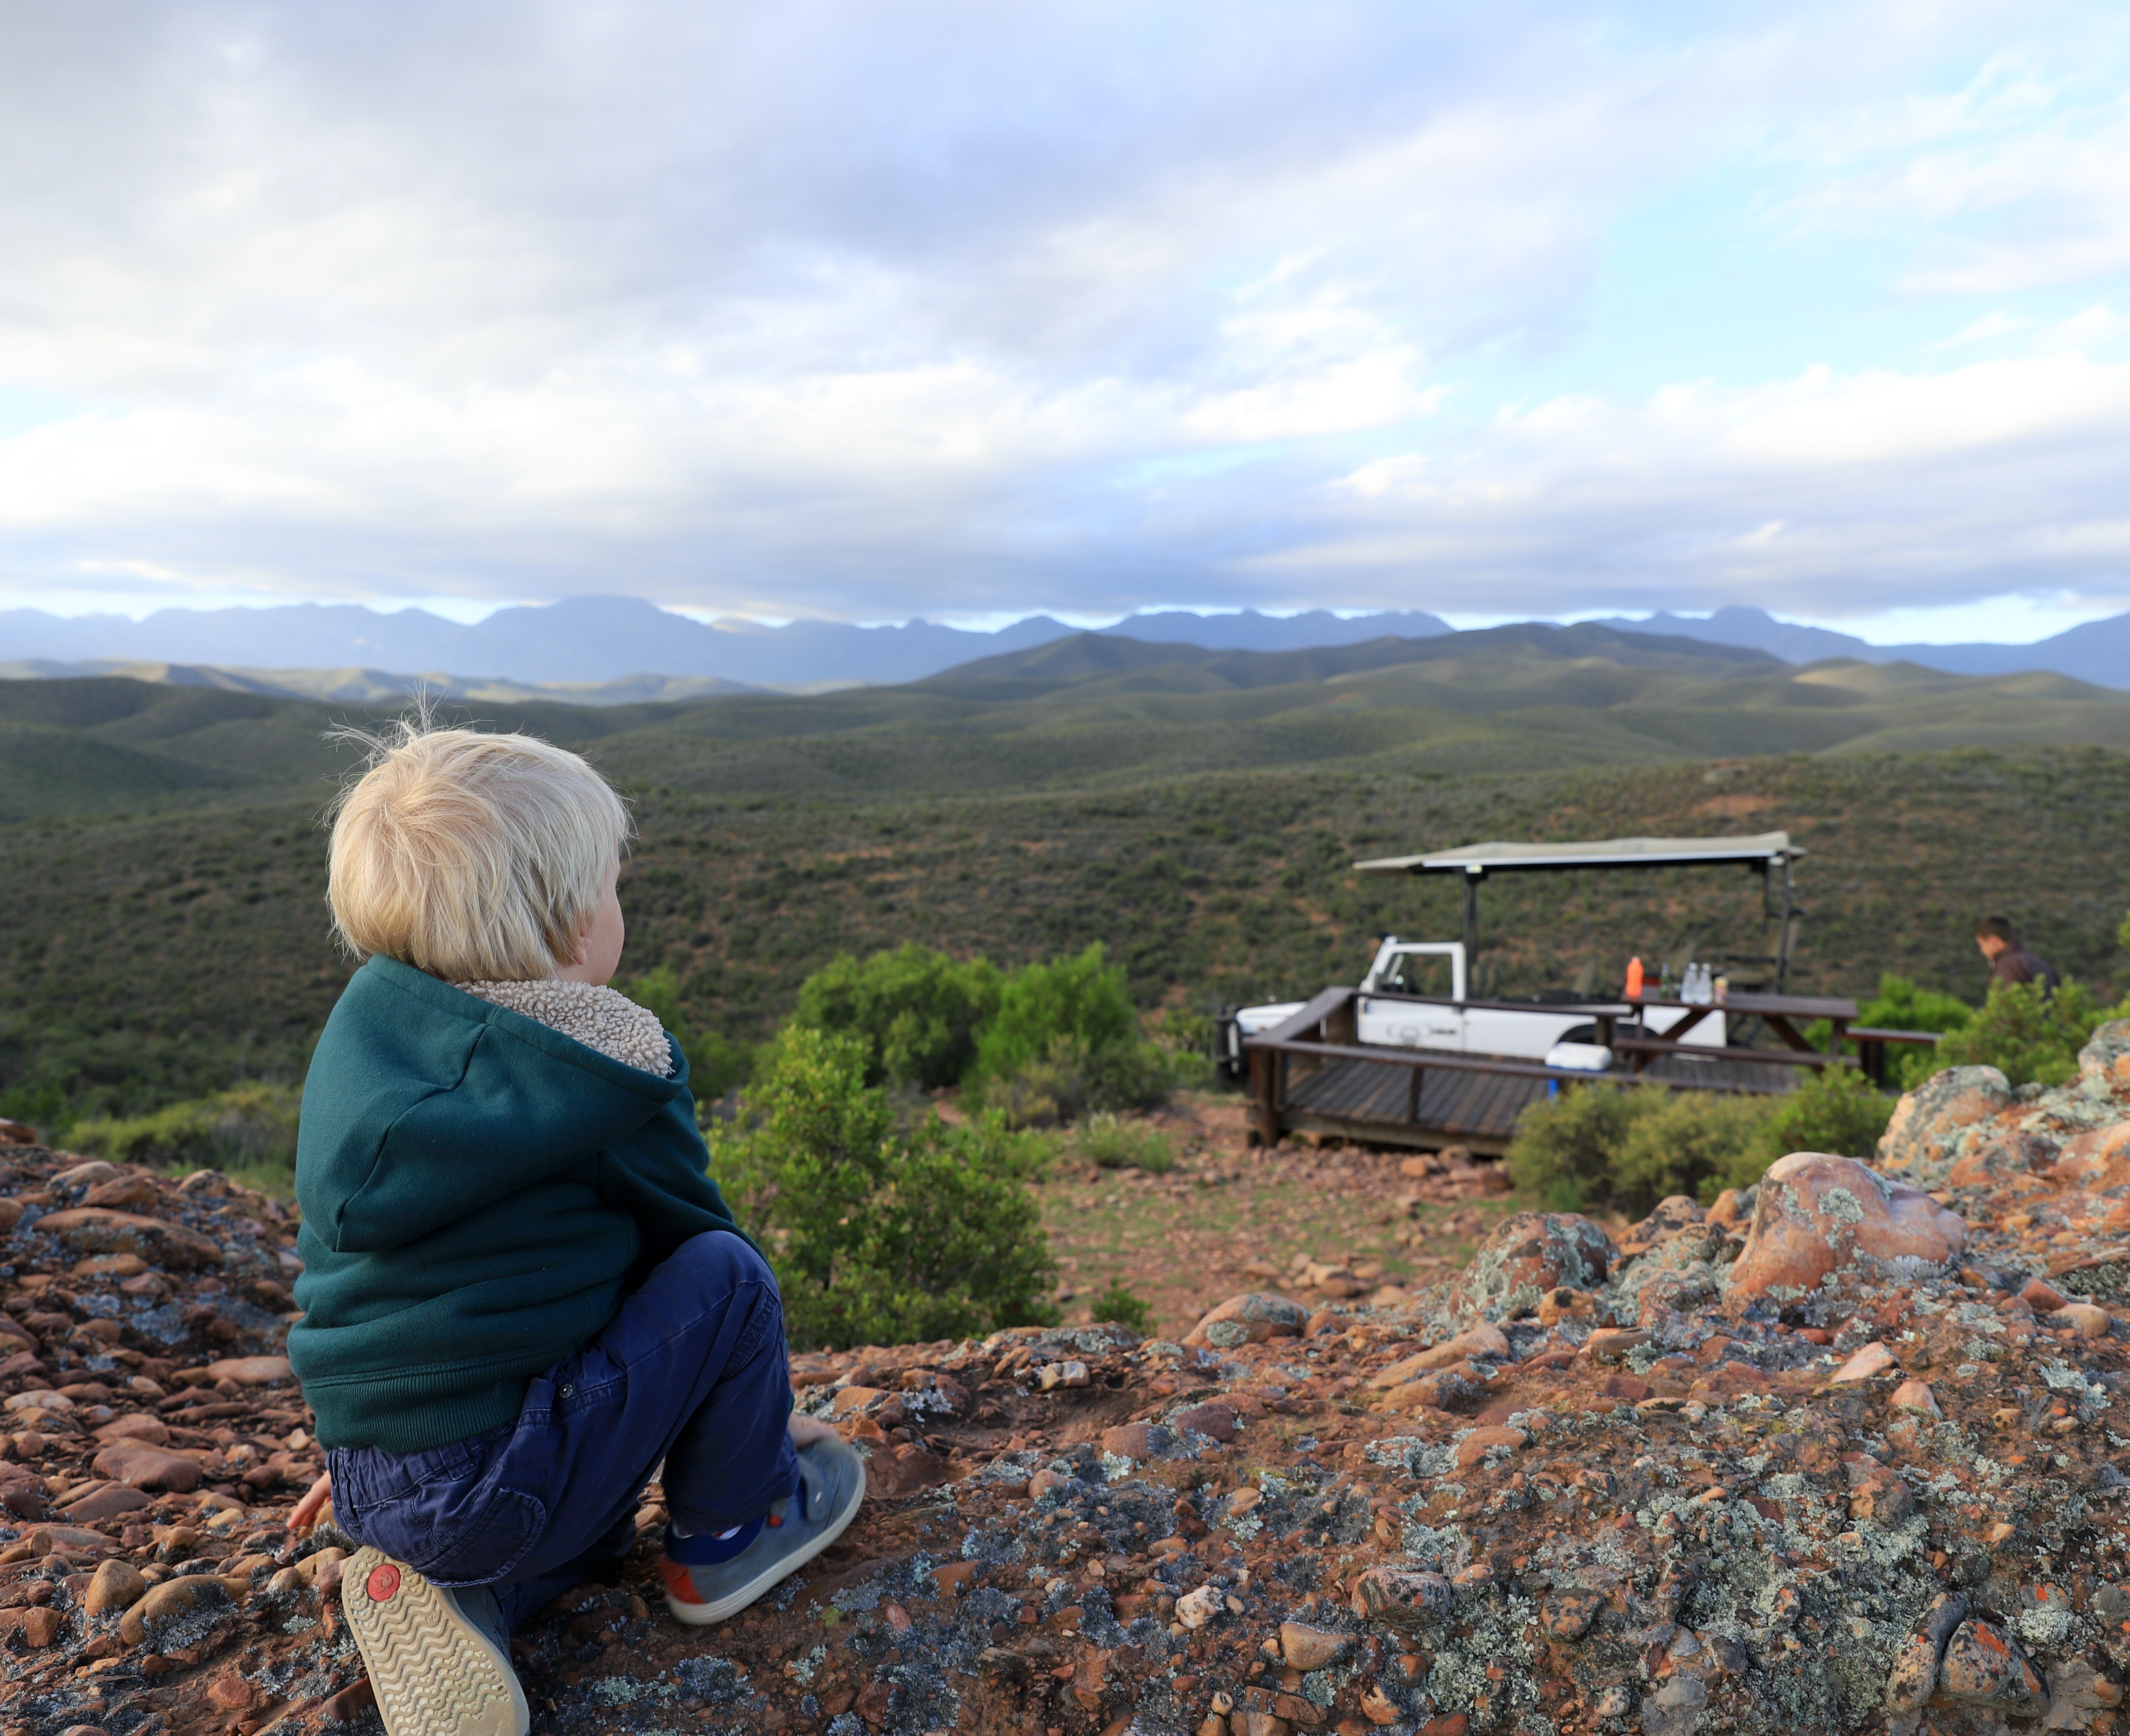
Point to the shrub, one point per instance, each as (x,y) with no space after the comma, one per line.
(1833,1110)
(1600,1144)
(1082,1000)
(248,1132)
(1567,1146)
(1110,1143)
(716,1064)
(1071,1080)
(1901,1006)
(1186,1042)
(917,1011)
(1120,1305)
(880,1235)
(1691,1143)
(1066,1040)
(2028,1035)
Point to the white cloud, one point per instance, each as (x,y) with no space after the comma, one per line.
(956,308)
(1995,324)
(1823,496)
(2019,180)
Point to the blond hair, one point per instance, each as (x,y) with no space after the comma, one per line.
(474,857)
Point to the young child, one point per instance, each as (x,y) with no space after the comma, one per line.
(521,1291)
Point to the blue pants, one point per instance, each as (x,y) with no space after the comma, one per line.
(691,1370)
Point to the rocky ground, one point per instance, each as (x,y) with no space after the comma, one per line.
(1226,1217)
(1841,1454)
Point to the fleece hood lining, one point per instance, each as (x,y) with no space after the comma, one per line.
(599,1018)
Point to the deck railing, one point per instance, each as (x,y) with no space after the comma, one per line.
(1326,1032)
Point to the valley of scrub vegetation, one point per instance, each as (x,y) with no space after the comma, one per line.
(146,958)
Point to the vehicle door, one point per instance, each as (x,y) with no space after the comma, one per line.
(1519,1033)
(1437,1022)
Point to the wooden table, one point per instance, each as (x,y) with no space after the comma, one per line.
(1781,1013)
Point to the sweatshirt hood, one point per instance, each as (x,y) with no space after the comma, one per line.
(440,1103)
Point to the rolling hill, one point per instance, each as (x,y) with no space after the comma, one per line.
(1195,810)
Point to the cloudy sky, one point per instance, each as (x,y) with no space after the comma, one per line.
(873,309)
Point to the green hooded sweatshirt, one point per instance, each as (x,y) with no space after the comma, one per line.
(479,1192)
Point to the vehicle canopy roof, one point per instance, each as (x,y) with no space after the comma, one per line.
(1762,850)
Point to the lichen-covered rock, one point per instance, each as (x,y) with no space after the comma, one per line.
(1532,1252)
(1401,1596)
(1982,1665)
(2105,1059)
(1818,1215)
(95,1230)
(1481,1338)
(1919,1141)
(1250,1319)
(1668,1218)
(2098,1158)
(1914,1676)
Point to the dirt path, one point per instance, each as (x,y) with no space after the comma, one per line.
(1229,1217)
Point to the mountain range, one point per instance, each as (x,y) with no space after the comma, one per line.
(604,651)
(606,639)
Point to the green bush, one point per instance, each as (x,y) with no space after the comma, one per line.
(1900,1005)
(880,1235)
(1834,1109)
(716,1064)
(1111,1143)
(2028,1035)
(248,1132)
(1601,1144)
(1065,1040)
(1071,1080)
(1082,1001)
(917,1011)
(1120,1305)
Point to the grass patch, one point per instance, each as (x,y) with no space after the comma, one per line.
(1110,1142)
(1121,1306)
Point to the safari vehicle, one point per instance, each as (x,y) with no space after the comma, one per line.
(1414,997)
(1416,993)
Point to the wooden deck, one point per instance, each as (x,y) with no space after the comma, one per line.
(1377,1101)
(1312,1075)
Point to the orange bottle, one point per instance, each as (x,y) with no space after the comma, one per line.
(1635,978)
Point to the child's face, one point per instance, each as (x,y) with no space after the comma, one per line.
(599,950)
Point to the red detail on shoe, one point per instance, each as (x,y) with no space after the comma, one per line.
(383,1582)
(679,1583)
(774,1520)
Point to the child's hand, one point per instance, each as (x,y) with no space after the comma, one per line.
(312,1504)
(806,1430)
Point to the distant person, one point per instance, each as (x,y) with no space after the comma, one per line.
(521,1291)
(2009,960)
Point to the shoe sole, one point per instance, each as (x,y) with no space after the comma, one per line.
(435,1673)
(704,1615)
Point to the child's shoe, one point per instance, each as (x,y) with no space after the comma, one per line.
(831,1486)
(439,1660)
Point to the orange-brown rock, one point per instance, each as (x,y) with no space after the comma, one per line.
(107,1502)
(1928,1121)
(1530,1253)
(98,1230)
(1819,1215)
(150,1431)
(251,1370)
(125,1192)
(1250,1319)
(141,1466)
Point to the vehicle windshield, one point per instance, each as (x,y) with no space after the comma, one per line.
(1417,973)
